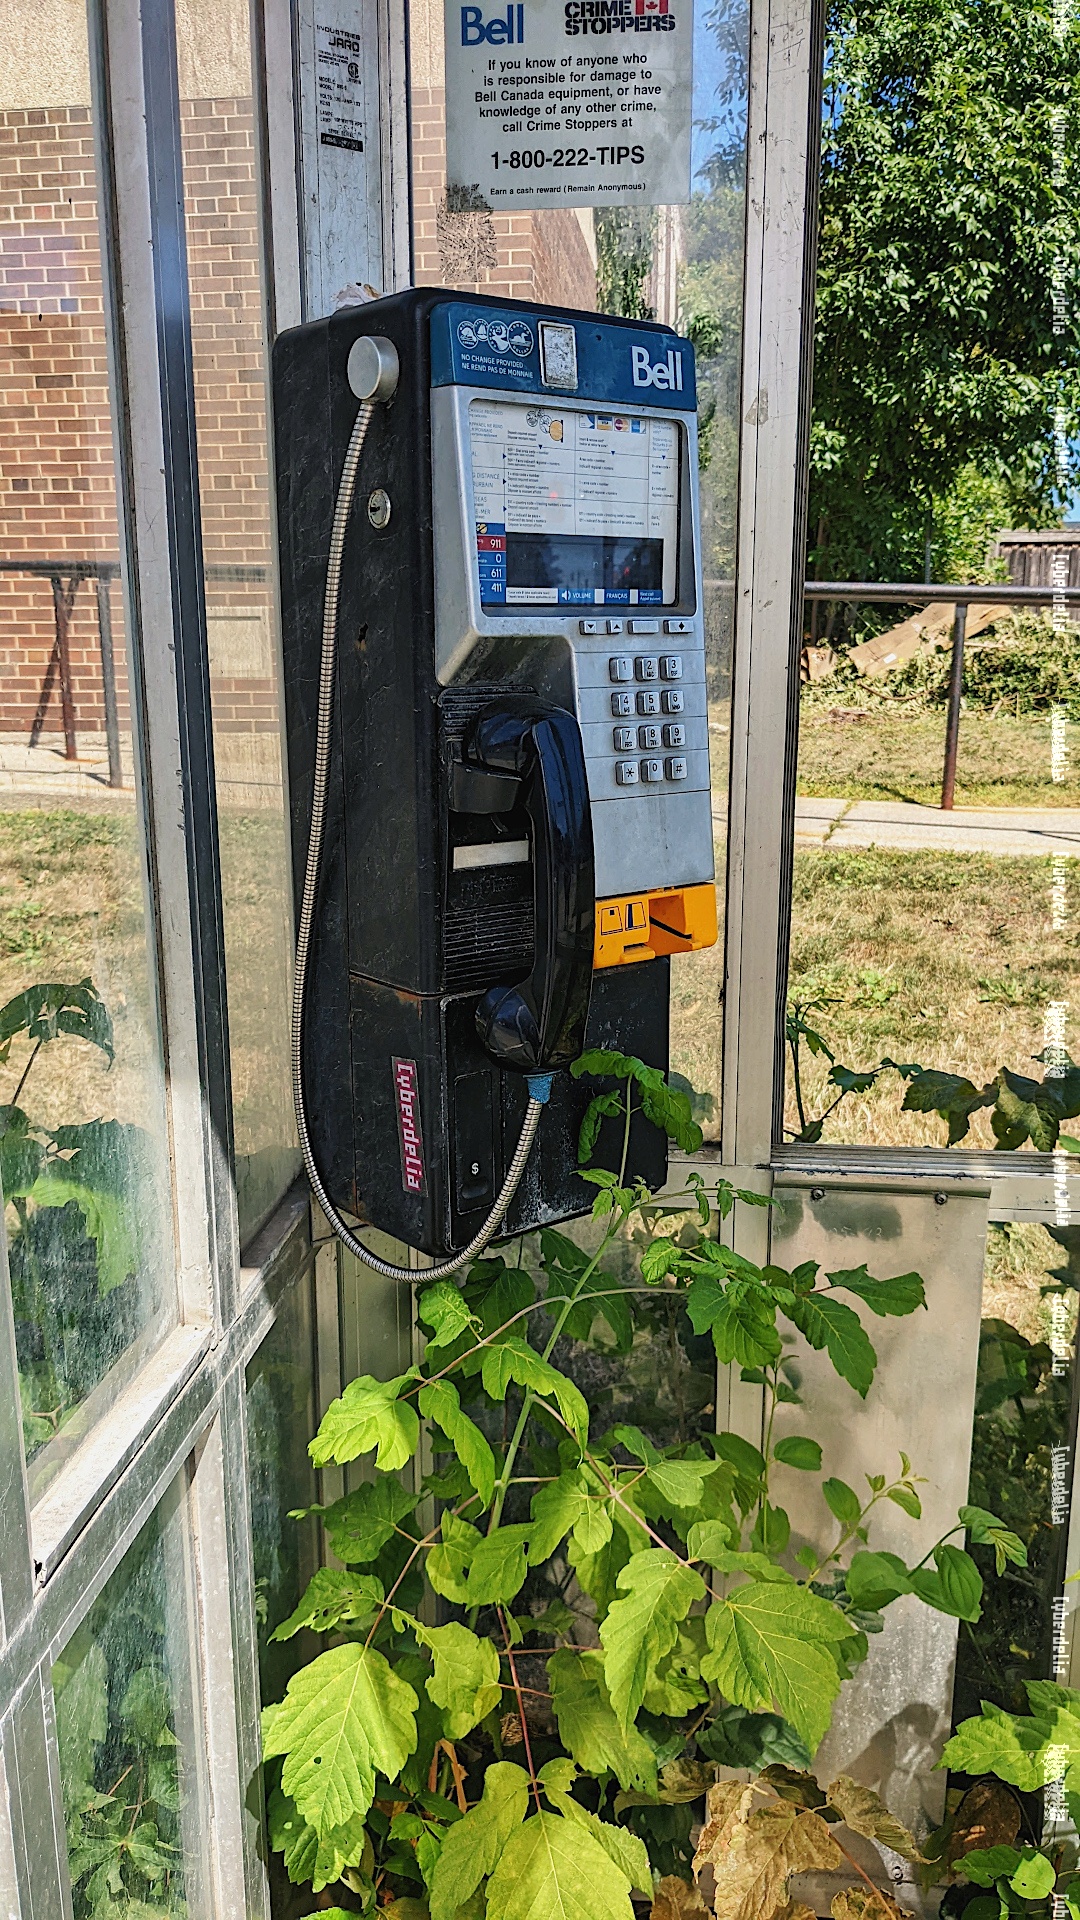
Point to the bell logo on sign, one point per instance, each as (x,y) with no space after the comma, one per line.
(664,374)
(505,30)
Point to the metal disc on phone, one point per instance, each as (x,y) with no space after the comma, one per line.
(373,367)
(378,508)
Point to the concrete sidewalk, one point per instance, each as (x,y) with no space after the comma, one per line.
(906,827)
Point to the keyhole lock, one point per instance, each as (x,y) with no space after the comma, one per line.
(378,508)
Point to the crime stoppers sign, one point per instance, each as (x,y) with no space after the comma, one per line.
(570,103)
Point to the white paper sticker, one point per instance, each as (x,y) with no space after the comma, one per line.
(338,64)
(568,103)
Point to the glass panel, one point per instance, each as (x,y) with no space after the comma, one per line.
(679,264)
(83,1154)
(934,915)
(124,1721)
(1021,1461)
(228,348)
(281,1417)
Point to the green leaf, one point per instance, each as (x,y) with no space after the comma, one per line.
(343,1716)
(829,1325)
(949,1094)
(984,1865)
(588,1726)
(1000,1743)
(603,1064)
(669,1109)
(471,1846)
(497,1293)
(899,1296)
(986,1530)
(681,1483)
(907,1499)
(45,1011)
(1035,1877)
(514,1360)
(842,1501)
(553,1869)
(602,1106)
(639,1629)
(772,1645)
(359,1526)
(628,1852)
(307,1858)
(741,1315)
(498,1566)
(956,1587)
(448,1562)
(465,1683)
(555,1510)
(334,1598)
(439,1401)
(794,1451)
(369,1414)
(445,1310)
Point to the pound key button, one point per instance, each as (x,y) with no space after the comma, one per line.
(626,773)
(676,768)
(620,668)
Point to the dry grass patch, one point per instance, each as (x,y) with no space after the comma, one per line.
(896,754)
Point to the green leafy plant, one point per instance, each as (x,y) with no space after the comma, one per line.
(543,1646)
(77,1234)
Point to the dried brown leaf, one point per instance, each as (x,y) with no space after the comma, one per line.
(866,1903)
(795,1910)
(988,1816)
(791,1783)
(675,1899)
(726,1805)
(751,1874)
(865,1812)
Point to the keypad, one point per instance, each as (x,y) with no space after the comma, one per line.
(622,703)
(674,734)
(648,702)
(646,667)
(671,666)
(626,773)
(655,753)
(652,769)
(675,768)
(620,668)
(671,700)
(623,739)
(648,737)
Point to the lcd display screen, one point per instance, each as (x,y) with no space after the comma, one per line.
(574,508)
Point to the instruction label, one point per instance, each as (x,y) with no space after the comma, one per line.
(338,68)
(568,102)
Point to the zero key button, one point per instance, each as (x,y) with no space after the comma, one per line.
(675,768)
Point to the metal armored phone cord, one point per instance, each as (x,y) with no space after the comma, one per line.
(539,1084)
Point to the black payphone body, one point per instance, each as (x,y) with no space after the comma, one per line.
(518,819)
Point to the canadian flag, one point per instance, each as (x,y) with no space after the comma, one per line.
(650,6)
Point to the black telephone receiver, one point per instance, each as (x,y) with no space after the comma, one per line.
(540,1023)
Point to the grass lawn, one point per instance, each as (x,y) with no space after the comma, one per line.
(882,753)
(945,959)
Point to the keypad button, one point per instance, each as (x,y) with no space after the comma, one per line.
(626,773)
(643,626)
(588,626)
(672,701)
(671,666)
(678,626)
(646,667)
(652,769)
(623,739)
(648,702)
(622,703)
(674,735)
(648,737)
(676,768)
(614,626)
(620,668)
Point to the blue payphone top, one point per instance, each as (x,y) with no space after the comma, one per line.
(517,351)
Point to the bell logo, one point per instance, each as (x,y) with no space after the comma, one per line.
(664,374)
(508,30)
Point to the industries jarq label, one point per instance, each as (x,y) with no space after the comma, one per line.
(568,102)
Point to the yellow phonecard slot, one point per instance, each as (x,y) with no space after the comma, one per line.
(644,926)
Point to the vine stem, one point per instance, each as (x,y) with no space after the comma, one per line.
(26,1073)
(521,1710)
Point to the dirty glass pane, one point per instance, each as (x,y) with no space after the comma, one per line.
(935,894)
(125,1732)
(229,355)
(281,1418)
(678,264)
(1022,1462)
(82,1127)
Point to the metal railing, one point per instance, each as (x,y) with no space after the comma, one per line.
(961,597)
(66,577)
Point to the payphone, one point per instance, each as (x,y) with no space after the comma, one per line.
(498,744)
